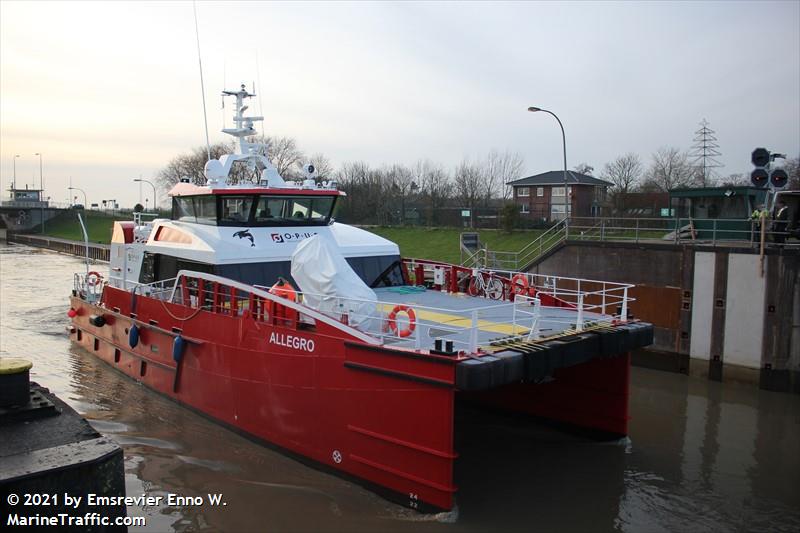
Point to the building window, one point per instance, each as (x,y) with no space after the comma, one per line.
(600,193)
(557,212)
(557,191)
(523,191)
(524,209)
(539,191)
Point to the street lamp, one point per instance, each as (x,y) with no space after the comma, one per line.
(41,178)
(41,187)
(533,109)
(85,201)
(154,190)
(14,184)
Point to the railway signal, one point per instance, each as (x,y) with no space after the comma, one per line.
(760,159)
(778,178)
(763,175)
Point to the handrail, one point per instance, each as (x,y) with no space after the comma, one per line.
(679,230)
(553,229)
(261,293)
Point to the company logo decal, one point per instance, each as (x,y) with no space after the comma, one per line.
(245,234)
(290,236)
(290,341)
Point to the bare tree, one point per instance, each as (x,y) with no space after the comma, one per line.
(735,180)
(792,168)
(584,168)
(435,187)
(401,183)
(191,165)
(670,169)
(500,169)
(624,172)
(284,153)
(469,179)
(368,196)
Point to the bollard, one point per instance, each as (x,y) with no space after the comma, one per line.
(14,381)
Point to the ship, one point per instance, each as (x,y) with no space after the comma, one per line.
(253,306)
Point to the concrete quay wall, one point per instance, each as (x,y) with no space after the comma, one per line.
(713,312)
(97,252)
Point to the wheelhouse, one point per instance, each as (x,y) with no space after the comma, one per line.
(306,208)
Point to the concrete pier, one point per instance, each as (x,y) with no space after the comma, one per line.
(97,252)
(50,456)
(714,314)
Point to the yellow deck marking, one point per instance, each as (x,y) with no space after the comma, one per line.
(460,321)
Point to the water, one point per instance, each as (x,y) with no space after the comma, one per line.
(701,456)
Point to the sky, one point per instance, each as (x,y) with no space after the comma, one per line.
(108,92)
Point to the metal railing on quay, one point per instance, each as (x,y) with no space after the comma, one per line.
(679,230)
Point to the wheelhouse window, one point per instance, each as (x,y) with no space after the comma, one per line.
(235,210)
(183,209)
(200,209)
(294,210)
(205,210)
(254,210)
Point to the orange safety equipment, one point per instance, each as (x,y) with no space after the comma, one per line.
(412,320)
(284,289)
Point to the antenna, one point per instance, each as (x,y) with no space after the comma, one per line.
(260,102)
(202,85)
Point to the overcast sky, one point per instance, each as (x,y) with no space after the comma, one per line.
(110,91)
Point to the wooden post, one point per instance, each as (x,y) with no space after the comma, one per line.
(763,240)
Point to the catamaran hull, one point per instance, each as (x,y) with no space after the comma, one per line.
(380,415)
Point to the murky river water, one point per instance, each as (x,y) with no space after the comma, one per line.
(701,456)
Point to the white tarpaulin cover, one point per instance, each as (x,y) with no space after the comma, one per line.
(329,284)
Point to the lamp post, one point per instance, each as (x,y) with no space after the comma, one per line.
(140,180)
(85,201)
(41,188)
(533,109)
(41,178)
(14,182)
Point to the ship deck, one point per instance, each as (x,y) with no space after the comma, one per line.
(454,316)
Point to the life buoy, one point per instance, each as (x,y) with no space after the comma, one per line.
(412,320)
(93,279)
(284,289)
(519,284)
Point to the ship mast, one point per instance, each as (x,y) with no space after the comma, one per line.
(254,154)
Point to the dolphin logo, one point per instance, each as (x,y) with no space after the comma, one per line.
(245,234)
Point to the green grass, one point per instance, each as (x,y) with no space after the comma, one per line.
(440,244)
(66,226)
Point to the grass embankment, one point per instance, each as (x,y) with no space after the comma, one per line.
(65,225)
(440,244)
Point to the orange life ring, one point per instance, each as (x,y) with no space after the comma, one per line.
(412,320)
(93,279)
(519,284)
(284,289)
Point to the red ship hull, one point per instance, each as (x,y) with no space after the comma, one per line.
(384,416)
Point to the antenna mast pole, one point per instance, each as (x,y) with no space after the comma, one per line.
(202,85)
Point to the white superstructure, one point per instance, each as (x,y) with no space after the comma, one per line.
(246,230)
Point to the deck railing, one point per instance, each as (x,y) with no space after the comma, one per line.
(563,304)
